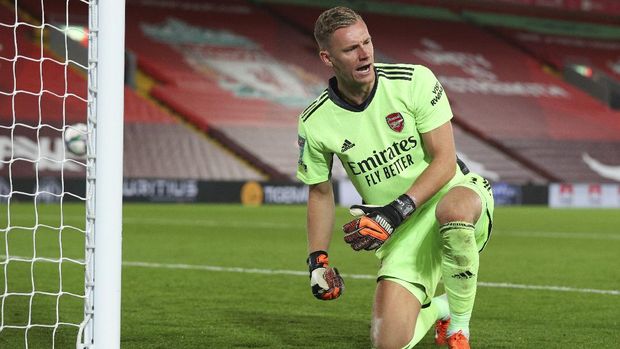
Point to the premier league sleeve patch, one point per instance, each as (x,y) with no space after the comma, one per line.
(301,143)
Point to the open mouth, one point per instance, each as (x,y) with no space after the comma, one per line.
(364,68)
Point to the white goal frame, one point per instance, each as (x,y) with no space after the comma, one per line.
(106,55)
(100,325)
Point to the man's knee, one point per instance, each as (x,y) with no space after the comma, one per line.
(381,339)
(394,316)
(460,204)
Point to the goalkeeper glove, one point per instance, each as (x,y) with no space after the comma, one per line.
(326,282)
(375,224)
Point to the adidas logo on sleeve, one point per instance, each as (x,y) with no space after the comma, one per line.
(347,145)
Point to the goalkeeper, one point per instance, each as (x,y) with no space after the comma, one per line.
(389,125)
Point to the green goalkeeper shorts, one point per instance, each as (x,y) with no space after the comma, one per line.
(412,256)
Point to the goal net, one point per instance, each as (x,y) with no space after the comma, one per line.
(49,102)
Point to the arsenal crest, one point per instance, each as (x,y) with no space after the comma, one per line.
(395,121)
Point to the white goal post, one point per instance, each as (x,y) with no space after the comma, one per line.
(106,86)
(60,261)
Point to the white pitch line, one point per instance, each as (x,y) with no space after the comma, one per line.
(559,235)
(549,288)
(356,276)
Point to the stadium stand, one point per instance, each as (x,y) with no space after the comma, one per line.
(241,71)
(602,7)
(492,164)
(156,150)
(592,11)
(263,127)
(239,74)
(558,42)
(157,145)
(499,91)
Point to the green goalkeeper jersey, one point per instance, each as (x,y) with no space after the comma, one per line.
(378,142)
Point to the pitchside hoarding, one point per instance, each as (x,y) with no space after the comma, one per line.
(507,194)
(249,193)
(252,193)
(588,195)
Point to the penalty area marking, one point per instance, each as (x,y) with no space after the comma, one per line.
(357,276)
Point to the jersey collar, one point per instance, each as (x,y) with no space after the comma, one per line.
(334,95)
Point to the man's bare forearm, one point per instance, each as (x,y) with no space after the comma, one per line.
(440,145)
(433,178)
(320,216)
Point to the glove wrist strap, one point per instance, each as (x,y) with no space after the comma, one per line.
(317,259)
(404,205)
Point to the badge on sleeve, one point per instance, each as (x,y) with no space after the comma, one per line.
(301,143)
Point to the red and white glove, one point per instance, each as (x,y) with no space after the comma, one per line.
(325,281)
(375,224)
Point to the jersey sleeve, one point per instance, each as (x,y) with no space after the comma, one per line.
(314,164)
(431,106)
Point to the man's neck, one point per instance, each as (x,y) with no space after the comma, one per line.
(355,94)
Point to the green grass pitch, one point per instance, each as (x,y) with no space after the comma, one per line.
(226,276)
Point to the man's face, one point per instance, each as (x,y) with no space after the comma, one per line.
(351,55)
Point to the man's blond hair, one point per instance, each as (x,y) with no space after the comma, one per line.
(331,20)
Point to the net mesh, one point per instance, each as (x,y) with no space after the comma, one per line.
(45,202)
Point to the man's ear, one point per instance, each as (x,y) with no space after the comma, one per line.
(326,58)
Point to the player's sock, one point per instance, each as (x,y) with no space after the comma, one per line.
(443,319)
(459,323)
(443,309)
(459,268)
